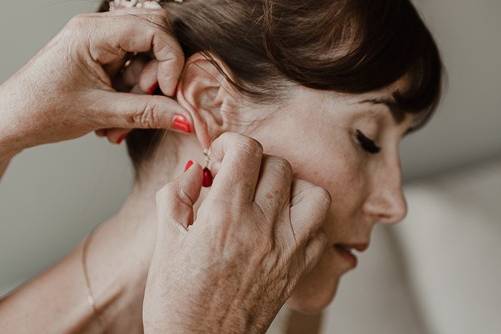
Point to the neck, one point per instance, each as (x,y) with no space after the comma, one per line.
(167,163)
(136,221)
(129,236)
(117,260)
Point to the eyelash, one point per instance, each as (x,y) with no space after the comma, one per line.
(367,144)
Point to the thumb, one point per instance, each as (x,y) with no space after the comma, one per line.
(128,111)
(176,199)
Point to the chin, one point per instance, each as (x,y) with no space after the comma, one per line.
(312,299)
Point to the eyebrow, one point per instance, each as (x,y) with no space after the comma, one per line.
(395,110)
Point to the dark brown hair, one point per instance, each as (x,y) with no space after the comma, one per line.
(350,46)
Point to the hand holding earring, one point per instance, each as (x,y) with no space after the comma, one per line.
(207,177)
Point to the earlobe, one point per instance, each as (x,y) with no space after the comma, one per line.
(201,91)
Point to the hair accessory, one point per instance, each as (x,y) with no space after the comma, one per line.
(207,175)
(149,4)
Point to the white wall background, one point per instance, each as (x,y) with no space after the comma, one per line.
(467,127)
(52,195)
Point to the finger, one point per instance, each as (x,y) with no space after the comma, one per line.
(235,164)
(101,132)
(148,79)
(274,186)
(175,200)
(308,211)
(127,111)
(306,258)
(314,250)
(117,136)
(141,31)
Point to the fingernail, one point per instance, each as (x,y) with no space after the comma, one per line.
(152,90)
(188,165)
(121,138)
(180,123)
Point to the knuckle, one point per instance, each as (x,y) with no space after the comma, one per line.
(226,139)
(243,144)
(147,117)
(321,196)
(183,197)
(171,51)
(250,146)
(158,19)
(152,22)
(281,167)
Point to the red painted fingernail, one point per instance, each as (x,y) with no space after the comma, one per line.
(179,122)
(188,165)
(207,178)
(153,88)
(121,138)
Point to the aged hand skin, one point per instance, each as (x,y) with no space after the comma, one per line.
(67,89)
(257,231)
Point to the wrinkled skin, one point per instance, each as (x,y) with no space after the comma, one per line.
(232,270)
(67,90)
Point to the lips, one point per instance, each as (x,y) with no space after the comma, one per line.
(346,251)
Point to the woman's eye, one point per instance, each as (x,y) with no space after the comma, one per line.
(367,144)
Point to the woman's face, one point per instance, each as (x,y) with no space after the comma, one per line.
(327,137)
(346,143)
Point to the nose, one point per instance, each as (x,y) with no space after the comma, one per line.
(390,207)
(386,203)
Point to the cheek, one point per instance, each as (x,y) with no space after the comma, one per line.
(339,173)
(320,152)
(327,158)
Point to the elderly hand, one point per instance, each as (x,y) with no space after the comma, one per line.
(67,89)
(257,231)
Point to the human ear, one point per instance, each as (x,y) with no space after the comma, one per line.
(206,94)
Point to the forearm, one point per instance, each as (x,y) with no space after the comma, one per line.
(7,152)
(10,138)
(4,163)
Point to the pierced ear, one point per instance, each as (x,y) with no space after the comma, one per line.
(205,93)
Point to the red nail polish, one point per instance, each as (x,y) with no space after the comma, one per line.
(152,90)
(121,139)
(207,178)
(180,123)
(188,165)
